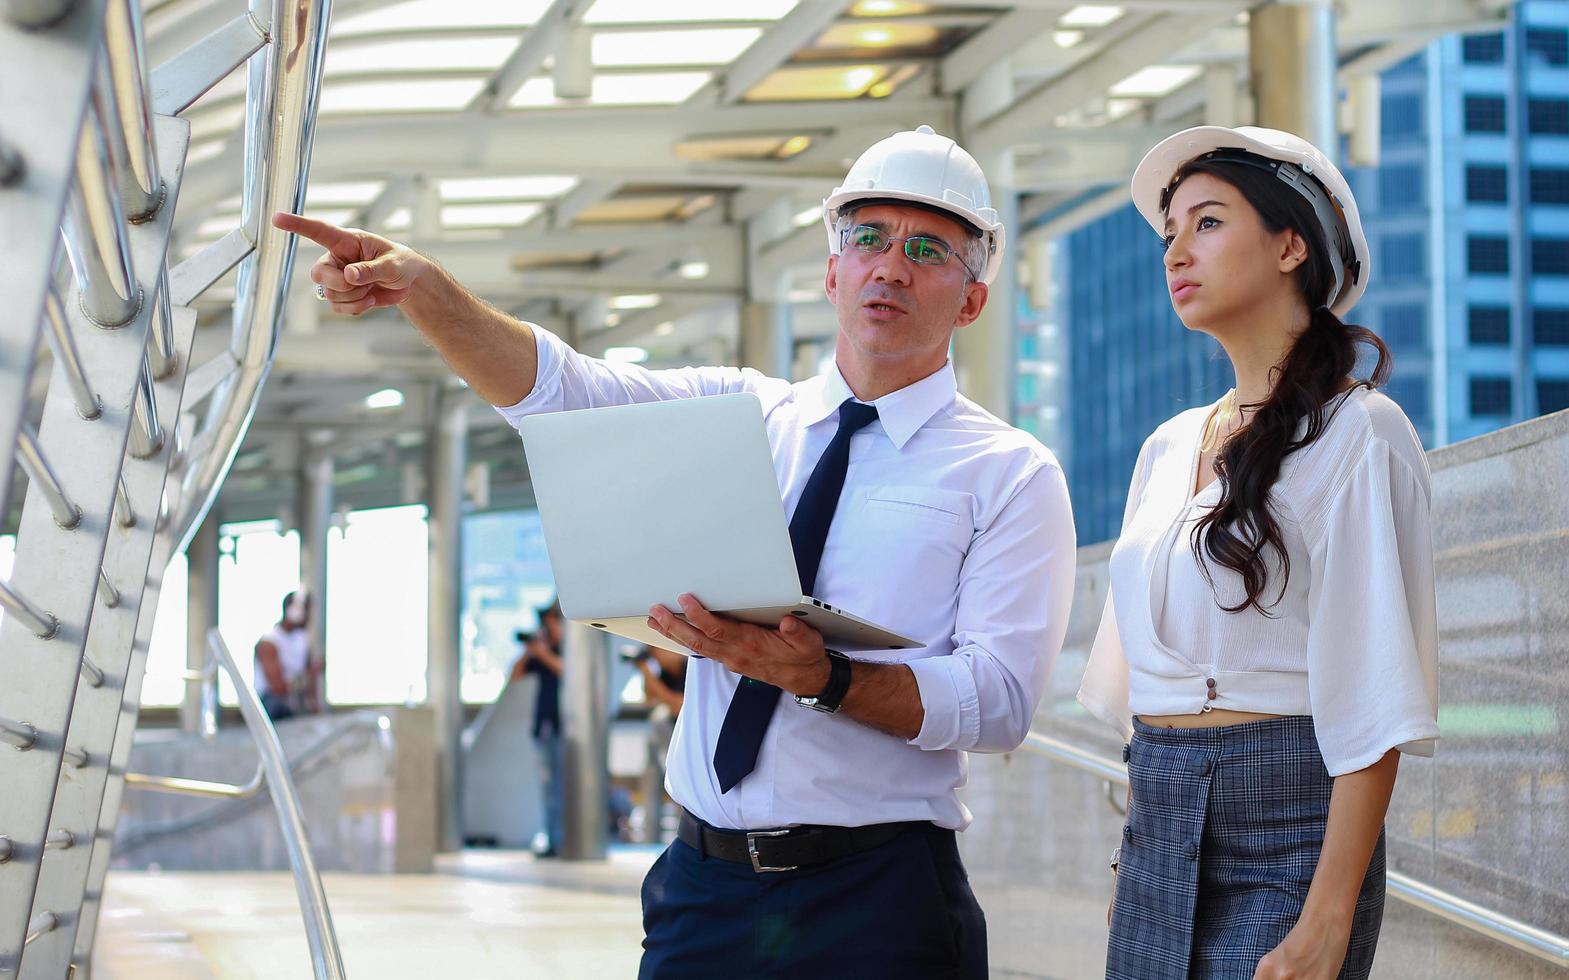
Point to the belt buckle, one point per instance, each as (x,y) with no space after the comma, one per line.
(751,849)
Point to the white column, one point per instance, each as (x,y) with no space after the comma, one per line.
(201,615)
(585,722)
(983,352)
(1292,59)
(765,337)
(765,334)
(447,456)
(315,510)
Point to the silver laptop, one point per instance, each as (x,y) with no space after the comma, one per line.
(641,503)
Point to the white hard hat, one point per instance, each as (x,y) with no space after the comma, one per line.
(923,168)
(1298,164)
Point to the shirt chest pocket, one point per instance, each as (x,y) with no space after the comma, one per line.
(921,529)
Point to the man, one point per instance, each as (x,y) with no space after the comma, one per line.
(542,658)
(664,678)
(822,841)
(284,677)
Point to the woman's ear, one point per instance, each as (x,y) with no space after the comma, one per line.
(1293,251)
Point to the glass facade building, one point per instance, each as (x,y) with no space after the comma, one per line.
(1467,218)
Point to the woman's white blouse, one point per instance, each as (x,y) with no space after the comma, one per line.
(1353,638)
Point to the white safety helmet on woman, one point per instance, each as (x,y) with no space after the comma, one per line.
(926,169)
(1297,163)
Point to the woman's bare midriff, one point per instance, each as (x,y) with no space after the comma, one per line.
(1215,718)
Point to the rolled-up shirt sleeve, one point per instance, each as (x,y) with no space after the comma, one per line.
(1015,589)
(566,380)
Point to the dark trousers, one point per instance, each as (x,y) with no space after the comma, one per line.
(901,911)
(277,707)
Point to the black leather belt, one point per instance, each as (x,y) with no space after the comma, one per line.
(789,848)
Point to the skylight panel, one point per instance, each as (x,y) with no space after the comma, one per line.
(342,193)
(806,83)
(483,188)
(644,11)
(705,47)
(399,96)
(1090,15)
(473,53)
(437,14)
(486,215)
(636,88)
(1154,81)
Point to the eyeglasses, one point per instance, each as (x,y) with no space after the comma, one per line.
(917,248)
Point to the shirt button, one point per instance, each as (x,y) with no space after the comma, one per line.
(1193,852)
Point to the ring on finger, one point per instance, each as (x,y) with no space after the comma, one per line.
(321,291)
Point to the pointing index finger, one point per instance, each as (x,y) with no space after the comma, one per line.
(331,237)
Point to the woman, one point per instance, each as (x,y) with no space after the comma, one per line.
(1270,642)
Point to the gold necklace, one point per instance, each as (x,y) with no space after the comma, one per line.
(1217,431)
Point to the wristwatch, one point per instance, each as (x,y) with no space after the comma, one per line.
(838,685)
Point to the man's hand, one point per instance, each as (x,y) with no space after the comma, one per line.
(790,658)
(360,271)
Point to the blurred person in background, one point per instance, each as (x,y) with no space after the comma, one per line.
(285,674)
(542,658)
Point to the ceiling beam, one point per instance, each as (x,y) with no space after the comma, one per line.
(1149,41)
(794,31)
(575,141)
(397,192)
(537,237)
(585,195)
(1001,38)
(539,42)
(637,328)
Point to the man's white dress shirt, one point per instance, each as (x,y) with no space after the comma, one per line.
(953,528)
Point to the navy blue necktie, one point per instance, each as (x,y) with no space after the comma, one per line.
(752,706)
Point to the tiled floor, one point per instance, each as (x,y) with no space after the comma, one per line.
(482,915)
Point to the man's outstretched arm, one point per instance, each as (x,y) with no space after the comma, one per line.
(490,350)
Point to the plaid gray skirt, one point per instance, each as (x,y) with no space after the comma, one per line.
(1219,849)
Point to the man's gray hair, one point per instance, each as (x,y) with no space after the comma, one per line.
(972,252)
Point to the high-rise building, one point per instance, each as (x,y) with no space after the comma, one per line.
(1467,217)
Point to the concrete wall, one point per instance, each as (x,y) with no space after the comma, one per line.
(366,791)
(1486,819)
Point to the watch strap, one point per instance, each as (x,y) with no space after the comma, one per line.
(832,695)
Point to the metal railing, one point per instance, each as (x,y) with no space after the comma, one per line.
(326,958)
(1485,922)
(128,448)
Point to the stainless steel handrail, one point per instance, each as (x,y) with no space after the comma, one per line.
(18,734)
(146,436)
(39,621)
(96,236)
(61,341)
(40,925)
(182,786)
(280,125)
(235,793)
(31,455)
(1484,921)
(135,153)
(326,958)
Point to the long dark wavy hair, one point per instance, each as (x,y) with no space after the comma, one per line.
(1240,532)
